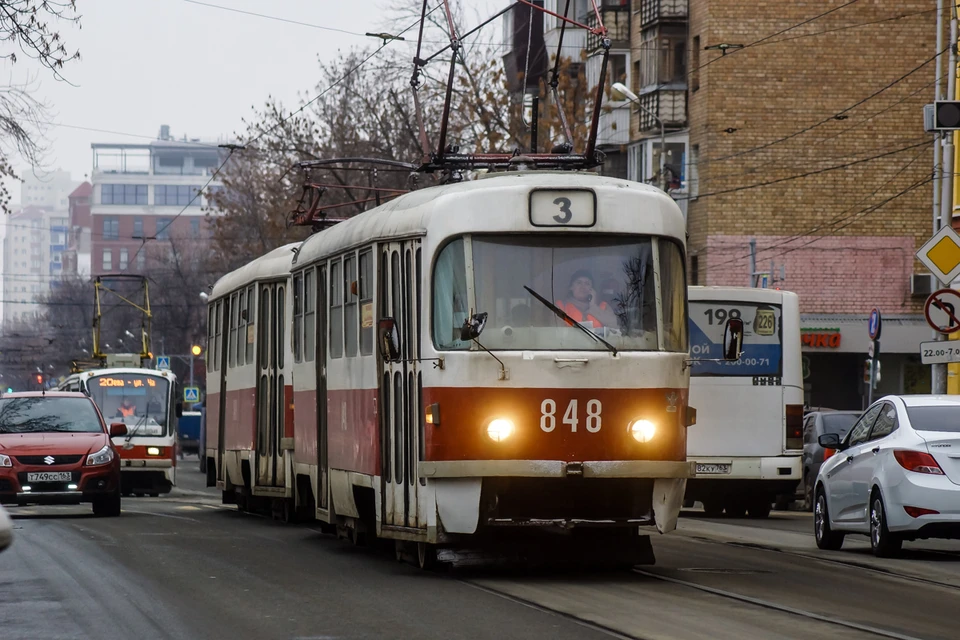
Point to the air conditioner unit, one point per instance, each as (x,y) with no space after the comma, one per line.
(921,284)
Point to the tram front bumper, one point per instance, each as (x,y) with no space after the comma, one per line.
(557,469)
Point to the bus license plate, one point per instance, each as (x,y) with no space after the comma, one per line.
(50,476)
(712,468)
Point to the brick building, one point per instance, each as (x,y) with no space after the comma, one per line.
(811,144)
(146,192)
(76,258)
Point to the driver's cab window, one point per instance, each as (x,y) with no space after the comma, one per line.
(861,430)
(886,422)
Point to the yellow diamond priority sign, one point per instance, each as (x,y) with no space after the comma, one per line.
(941,254)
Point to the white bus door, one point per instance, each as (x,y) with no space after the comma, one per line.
(400,407)
(270,386)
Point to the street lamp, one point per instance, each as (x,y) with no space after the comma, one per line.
(621,88)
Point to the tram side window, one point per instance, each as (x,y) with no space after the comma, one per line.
(336,311)
(309,316)
(251,321)
(350,319)
(366,303)
(211,332)
(241,328)
(217,329)
(450,297)
(232,344)
(673,294)
(297,315)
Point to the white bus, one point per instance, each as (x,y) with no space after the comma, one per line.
(748,438)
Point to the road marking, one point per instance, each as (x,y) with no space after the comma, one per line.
(778,607)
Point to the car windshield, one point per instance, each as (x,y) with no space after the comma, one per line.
(839,423)
(48,415)
(942,418)
(137,400)
(608,285)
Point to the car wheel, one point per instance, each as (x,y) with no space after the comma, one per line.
(883,543)
(760,508)
(826,537)
(107,506)
(712,508)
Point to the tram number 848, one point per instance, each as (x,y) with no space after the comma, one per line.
(571,416)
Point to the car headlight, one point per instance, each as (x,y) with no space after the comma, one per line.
(103,456)
(5,461)
(500,429)
(643,430)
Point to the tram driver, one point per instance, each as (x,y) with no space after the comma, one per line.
(583,305)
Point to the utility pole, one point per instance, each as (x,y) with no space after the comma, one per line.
(753,262)
(939,371)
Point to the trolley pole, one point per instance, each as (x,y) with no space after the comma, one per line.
(939,371)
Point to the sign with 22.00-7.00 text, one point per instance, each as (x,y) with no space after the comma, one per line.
(940,352)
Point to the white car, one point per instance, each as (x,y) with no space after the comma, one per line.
(6,529)
(895,476)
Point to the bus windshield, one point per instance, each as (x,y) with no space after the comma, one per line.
(762,338)
(608,285)
(139,401)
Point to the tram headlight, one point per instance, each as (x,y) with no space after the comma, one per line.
(500,429)
(154,451)
(643,430)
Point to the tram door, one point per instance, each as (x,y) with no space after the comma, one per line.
(322,488)
(401,412)
(270,385)
(221,313)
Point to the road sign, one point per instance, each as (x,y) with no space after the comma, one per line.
(940,352)
(941,254)
(163,362)
(874,325)
(191,394)
(942,310)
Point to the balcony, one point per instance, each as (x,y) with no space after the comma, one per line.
(655,11)
(616,18)
(614,126)
(669,104)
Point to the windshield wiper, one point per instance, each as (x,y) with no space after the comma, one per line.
(563,315)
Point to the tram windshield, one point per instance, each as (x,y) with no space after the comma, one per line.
(608,285)
(139,401)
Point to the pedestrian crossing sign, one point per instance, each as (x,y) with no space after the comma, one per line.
(191,394)
(163,363)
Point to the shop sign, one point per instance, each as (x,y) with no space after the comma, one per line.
(820,338)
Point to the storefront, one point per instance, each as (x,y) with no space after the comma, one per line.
(834,350)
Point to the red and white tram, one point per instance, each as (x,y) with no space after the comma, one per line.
(478,363)
(249,388)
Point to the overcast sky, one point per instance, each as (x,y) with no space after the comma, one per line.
(194,67)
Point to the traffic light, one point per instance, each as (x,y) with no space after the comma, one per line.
(942,115)
(196,350)
(39,379)
(867,370)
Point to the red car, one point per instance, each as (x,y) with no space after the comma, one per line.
(55,449)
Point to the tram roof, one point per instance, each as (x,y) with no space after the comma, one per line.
(273,265)
(489,204)
(754,294)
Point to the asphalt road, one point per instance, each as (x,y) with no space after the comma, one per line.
(184,566)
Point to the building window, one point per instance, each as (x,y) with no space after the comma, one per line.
(695,64)
(138,227)
(111,229)
(107,259)
(693,179)
(123,194)
(176,195)
(141,259)
(163,228)
(123,258)
(195,227)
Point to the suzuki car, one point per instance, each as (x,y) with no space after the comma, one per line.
(55,449)
(895,475)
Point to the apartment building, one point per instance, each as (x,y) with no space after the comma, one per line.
(33,249)
(148,191)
